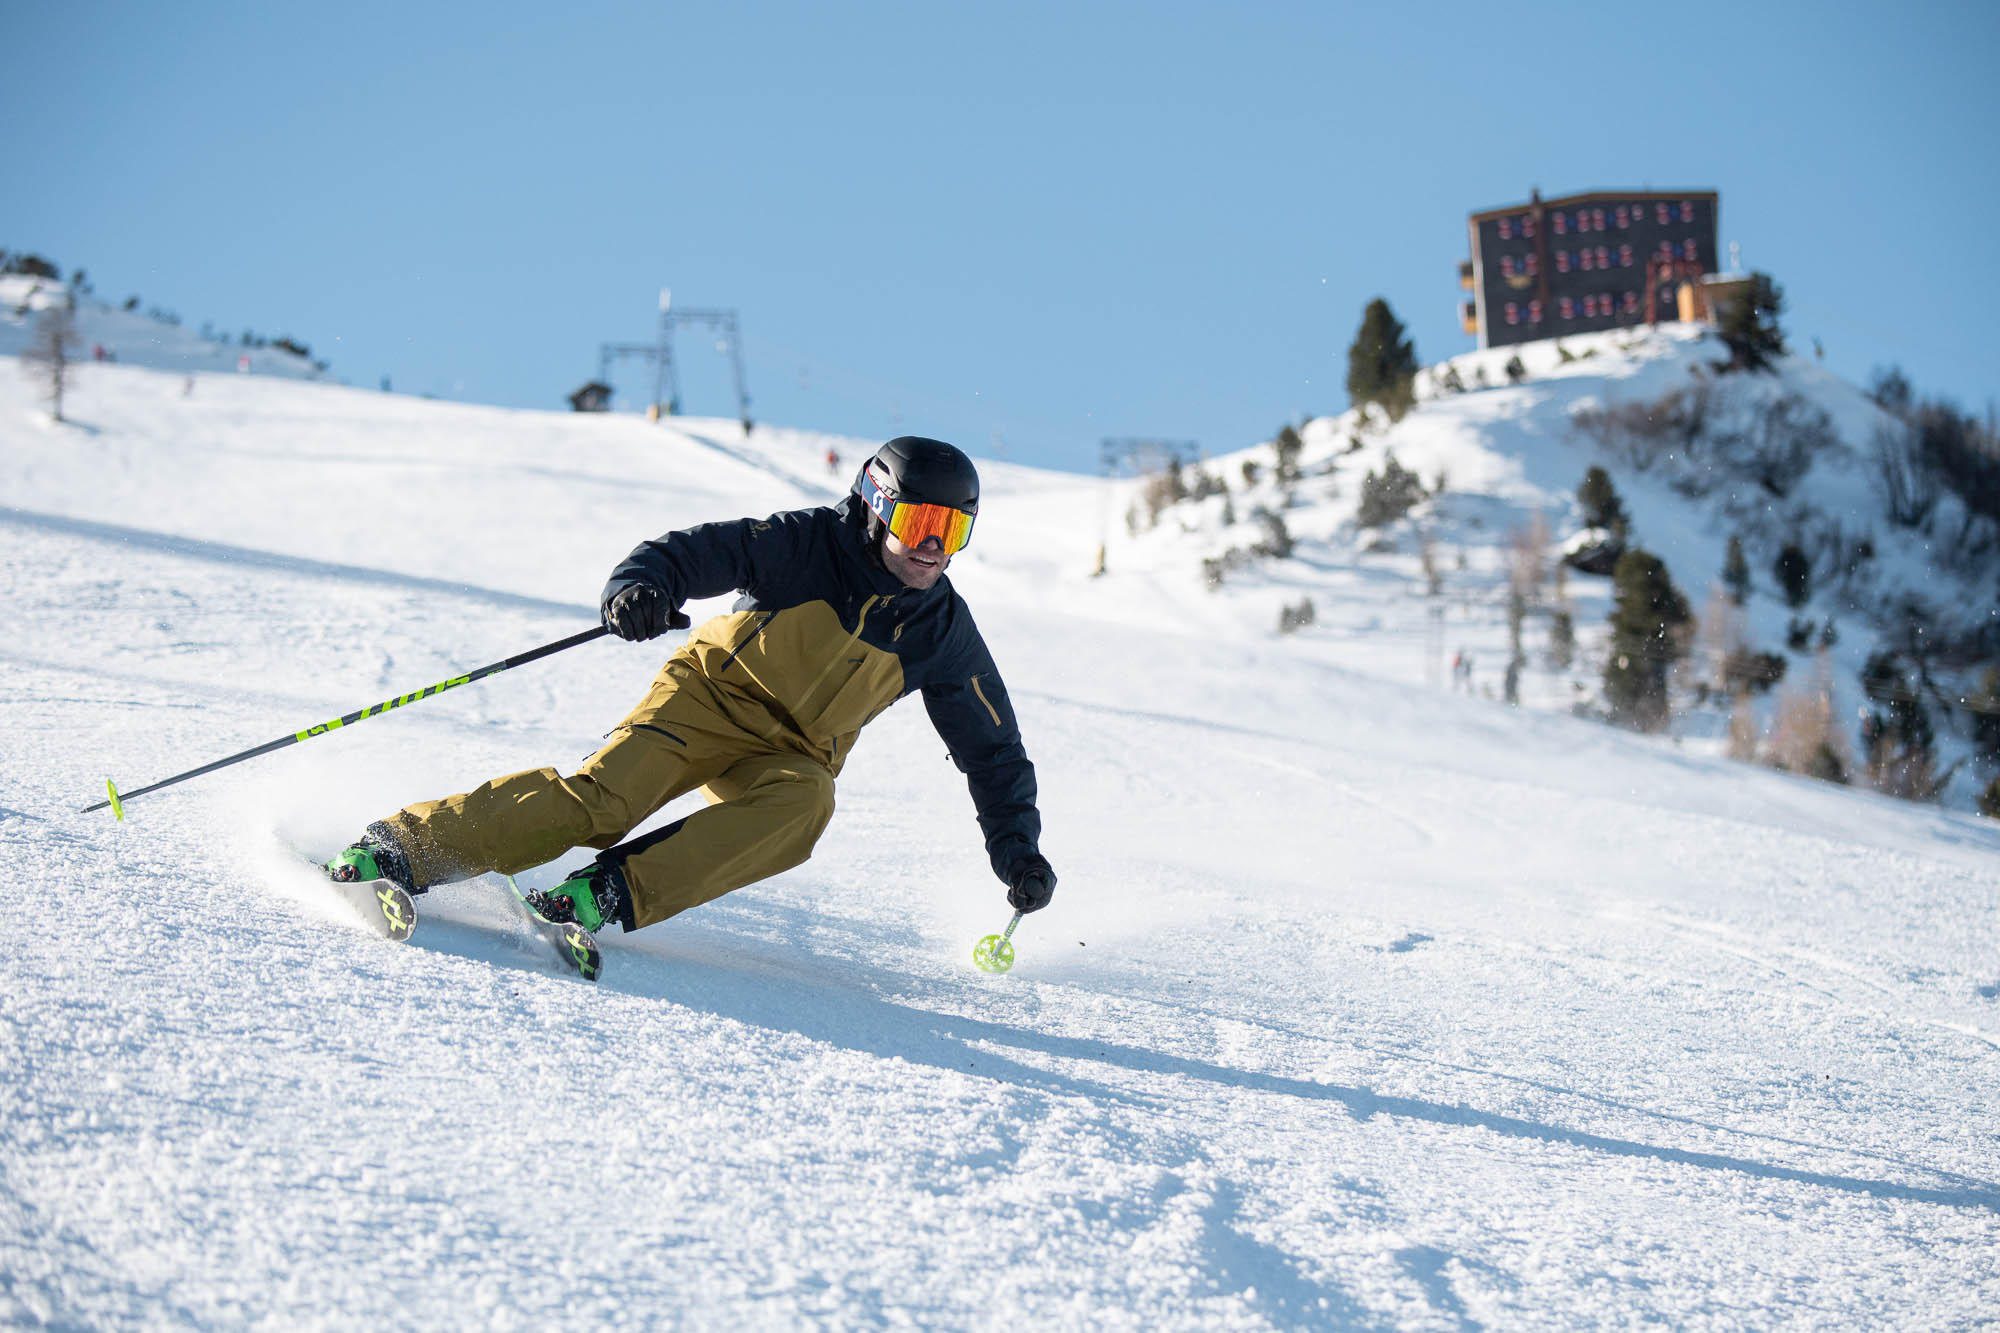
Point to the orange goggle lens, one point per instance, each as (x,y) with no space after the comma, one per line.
(916,524)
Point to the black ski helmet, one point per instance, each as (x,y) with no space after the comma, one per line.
(921,471)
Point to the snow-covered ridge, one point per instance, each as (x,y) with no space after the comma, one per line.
(1511,456)
(107,333)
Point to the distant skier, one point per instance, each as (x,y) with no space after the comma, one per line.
(846,610)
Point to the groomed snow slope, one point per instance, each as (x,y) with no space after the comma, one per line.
(1360,1005)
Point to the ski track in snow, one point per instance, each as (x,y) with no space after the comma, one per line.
(1359,1006)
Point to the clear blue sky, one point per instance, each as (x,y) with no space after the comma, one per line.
(1028,224)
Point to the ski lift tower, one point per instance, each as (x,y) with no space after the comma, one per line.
(723,322)
(666,376)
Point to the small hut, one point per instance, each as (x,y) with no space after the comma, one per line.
(592,397)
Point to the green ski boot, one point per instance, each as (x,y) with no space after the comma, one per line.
(375,880)
(375,856)
(590,897)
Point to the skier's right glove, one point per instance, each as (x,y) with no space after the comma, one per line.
(642,611)
(1034,884)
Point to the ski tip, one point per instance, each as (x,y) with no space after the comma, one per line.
(117,806)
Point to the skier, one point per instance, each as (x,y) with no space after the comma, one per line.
(846,609)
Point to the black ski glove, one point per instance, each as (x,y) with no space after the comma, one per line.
(642,612)
(1034,884)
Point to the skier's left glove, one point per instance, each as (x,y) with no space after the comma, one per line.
(1033,885)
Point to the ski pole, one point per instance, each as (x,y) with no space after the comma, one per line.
(116,800)
(995,953)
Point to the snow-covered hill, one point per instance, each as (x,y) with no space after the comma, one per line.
(106,333)
(1361,1004)
(1510,457)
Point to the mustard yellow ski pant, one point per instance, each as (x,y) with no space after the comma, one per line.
(768,806)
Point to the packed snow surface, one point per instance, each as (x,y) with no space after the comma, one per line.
(1361,1003)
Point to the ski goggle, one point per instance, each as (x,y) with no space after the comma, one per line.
(913,524)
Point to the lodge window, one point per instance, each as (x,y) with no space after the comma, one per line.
(1534,265)
(1625,256)
(1583,259)
(1562,261)
(1624,218)
(1506,230)
(1534,312)
(1688,250)
(1528,225)
(1567,307)
(1687,211)
(1603,257)
(1660,213)
(1513,313)
(1506,266)
(1597,219)
(1561,226)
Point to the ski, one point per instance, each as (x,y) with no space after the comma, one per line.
(574,945)
(382,906)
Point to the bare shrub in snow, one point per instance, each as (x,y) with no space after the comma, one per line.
(1804,739)
(46,359)
(1778,444)
(1528,559)
(1642,433)
(1160,491)
(1939,472)
(1705,441)
(1214,569)
(1743,731)
(1910,491)
(1890,388)
(1562,639)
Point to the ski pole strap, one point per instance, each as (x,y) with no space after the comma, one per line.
(117,798)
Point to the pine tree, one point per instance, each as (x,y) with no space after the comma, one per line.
(1736,572)
(1599,501)
(1794,574)
(1289,447)
(1749,325)
(1898,745)
(1985,705)
(1382,362)
(1647,617)
(1387,496)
